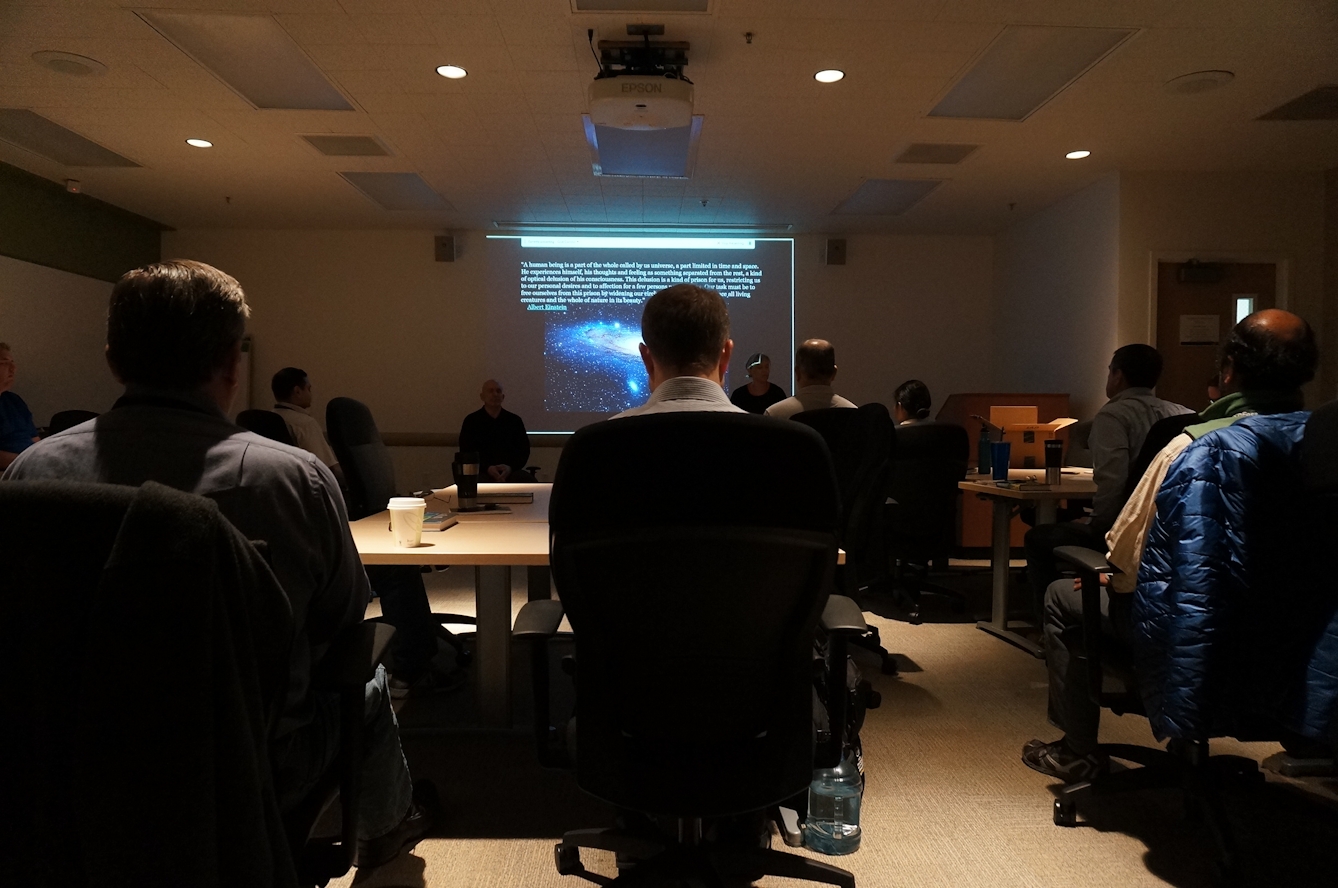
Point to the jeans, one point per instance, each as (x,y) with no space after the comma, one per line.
(307,754)
(1072,708)
(1041,542)
(404,604)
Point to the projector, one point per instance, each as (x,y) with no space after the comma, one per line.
(640,102)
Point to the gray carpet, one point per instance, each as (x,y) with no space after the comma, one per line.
(947,802)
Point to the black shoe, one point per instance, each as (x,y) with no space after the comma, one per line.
(1058,761)
(416,824)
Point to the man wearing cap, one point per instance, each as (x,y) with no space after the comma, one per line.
(761,392)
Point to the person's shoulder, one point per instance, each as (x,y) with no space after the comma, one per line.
(13,400)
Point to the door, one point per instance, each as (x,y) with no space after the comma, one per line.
(1196,309)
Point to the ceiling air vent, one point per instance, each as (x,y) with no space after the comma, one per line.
(348,146)
(886,197)
(1320,103)
(398,191)
(35,133)
(929,152)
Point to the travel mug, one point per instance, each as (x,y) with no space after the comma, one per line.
(466,472)
(1054,455)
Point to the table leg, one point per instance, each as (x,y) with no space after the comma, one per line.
(492,646)
(538,581)
(997,624)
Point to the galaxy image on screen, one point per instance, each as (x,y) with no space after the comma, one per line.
(592,363)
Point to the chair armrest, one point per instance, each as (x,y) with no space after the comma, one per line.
(842,614)
(538,620)
(352,659)
(1085,559)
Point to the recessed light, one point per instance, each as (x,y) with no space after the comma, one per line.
(829,75)
(69,63)
(1199,81)
(1078,155)
(199,143)
(453,72)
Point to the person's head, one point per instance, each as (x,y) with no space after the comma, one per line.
(1269,350)
(492,395)
(758,367)
(291,386)
(7,368)
(1133,366)
(178,325)
(815,362)
(913,401)
(685,332)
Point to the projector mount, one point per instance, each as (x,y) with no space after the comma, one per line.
(642,57)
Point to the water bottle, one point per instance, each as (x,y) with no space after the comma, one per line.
(832,826)
(983,460)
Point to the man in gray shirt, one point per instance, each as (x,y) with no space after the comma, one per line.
(814,371)
(174,333)
(686,351)
(1117,434)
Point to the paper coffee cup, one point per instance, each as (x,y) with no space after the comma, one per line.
(406,520)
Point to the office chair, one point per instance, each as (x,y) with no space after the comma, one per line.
(267,424)
(155,664)
(362,454)
(862,442)
(694,606)
(1281,650)
(930,460)
(68,419)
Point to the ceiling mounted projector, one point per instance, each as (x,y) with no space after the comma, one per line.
(640,85)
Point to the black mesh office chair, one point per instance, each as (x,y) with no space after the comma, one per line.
(68,419)
(138,743)
(694,599)
(370,474)
(267,424)
(862,442)
(930,460)
(1310,605)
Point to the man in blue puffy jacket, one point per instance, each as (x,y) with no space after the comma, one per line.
(1229,497)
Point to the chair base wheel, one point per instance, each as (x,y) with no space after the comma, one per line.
(568,859)
(1066,813)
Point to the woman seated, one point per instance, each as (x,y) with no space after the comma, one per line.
(912,402)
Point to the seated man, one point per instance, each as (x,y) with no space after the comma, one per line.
(1116,436)
(814,372)
(17,432)
(174,332)
(1266,360)
(760,392)
(497,436)
(686,349)
(292,399)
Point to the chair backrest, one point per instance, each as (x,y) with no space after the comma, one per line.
(266,423)
(362,455)
(931,459)
(140,748)
(693,554)
(1319,468)
(862,442)
(1161,433)
(68,419)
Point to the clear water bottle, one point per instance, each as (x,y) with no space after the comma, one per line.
(832,826)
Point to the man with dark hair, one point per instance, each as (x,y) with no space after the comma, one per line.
(174,332)
(292,399)
(1266,360)
(685,348)
(17,432)
(1116,436)
(814,372)
(497,435)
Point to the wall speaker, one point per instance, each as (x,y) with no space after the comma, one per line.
(836,251)
(445,247)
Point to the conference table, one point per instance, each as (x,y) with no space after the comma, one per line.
(1023,486)
(492,544)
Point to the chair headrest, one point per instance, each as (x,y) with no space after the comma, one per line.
(1319,450)
(349,423)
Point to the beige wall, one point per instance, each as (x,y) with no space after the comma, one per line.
(56,323)
(1056,282)
(1251,216)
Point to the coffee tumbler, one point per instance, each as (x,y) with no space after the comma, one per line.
(1054,455)
(466,472)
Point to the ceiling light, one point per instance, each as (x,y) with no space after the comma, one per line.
(829,75)
(33,132)
(199,143)
(452,72)
(1078,155)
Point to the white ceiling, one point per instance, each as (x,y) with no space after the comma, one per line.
(506,143)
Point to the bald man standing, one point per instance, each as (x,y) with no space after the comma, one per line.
(497,436)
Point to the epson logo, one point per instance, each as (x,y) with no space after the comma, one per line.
(643,87)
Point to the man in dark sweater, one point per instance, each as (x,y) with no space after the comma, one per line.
(497,436)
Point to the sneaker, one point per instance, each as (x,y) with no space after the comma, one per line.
(431,681)
(1058,761)
(411,830)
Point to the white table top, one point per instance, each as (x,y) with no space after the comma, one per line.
(1073,483)
(517,538)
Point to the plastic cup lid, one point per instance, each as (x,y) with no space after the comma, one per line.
(406,502)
